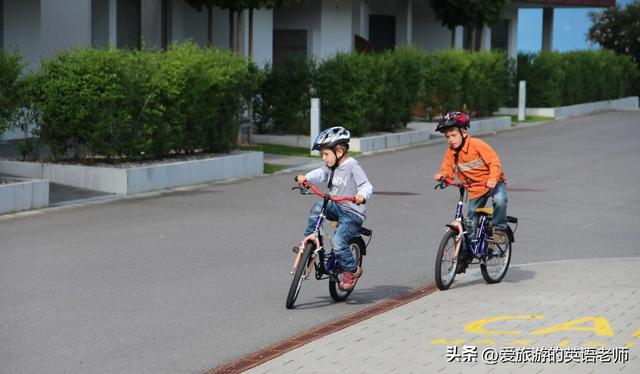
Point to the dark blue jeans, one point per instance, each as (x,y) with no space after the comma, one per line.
(348,227)
(500,200)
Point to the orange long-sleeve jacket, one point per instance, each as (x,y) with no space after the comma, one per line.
(477,162)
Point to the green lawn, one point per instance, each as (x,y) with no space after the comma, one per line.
(278,150)
(284,150)
(271,168)
(531,119)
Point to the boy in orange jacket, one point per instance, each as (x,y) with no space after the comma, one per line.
(474,161)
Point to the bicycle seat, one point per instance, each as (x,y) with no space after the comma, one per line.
(487,211)
(365,231)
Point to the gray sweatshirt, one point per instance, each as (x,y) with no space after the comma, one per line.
(348,180)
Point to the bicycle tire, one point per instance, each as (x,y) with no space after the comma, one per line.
(447,247)
(503,257)
(357,246)
(296,283)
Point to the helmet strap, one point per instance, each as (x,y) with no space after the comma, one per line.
(334,167)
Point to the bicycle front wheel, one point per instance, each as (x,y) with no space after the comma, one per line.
(356,246)
(300,275)
(446,263)
(496,262)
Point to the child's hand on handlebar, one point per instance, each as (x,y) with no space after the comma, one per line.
(491,183)
(359,199)
(301,179)
(438,177)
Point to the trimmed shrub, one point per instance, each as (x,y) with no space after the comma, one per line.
(485,82)
(283,102)
(398,94)
(442,84)
(348,85)
(141,104)
(11,87)
(557,79)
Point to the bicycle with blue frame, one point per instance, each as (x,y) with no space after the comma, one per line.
(457,248)
(316,260)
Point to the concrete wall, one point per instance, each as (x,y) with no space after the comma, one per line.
(428,33)
(262,36)
(22,29)
(301,16)
(65,24)
(336,34)
(24,195)
(141,179)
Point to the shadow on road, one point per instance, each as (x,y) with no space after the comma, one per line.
(365,296)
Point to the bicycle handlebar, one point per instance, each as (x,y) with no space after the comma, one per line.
(316,191)
(444,182)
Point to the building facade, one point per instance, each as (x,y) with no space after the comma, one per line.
(314,28)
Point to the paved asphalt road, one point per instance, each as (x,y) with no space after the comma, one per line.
(184,281)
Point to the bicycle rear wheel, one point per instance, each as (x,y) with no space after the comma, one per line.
(446,263)
(300,275)
(356,246)
(496,262)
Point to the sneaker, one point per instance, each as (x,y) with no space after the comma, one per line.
(348,280)
(500,236)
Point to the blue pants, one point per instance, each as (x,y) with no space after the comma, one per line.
(499,195)
(348,227)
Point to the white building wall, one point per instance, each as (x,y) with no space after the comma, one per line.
(305,15)
(221,28)
(336,34)
(428,32)
(64,24)
(22,29)
(511,13)
(262,36)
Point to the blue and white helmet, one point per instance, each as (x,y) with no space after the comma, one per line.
(331,137)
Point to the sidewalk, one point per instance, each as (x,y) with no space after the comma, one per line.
(570,316)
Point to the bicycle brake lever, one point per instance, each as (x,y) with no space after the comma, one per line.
(303,190)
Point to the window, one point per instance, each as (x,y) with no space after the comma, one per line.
(288,43)
(382,32)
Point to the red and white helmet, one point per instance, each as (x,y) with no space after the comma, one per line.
(454,119)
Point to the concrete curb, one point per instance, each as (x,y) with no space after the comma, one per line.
(24,195)
(128,181)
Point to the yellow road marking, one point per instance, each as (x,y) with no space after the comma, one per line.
(477,327)
(600,326)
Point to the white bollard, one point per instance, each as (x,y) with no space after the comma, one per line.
(522,100)
(315,122)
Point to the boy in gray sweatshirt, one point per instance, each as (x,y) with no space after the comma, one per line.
(345,177)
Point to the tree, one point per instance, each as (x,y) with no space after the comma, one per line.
(469,13)
(618,29)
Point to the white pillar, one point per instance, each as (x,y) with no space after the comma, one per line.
(315,123)
(513,35)
(522,100)
(485,43)
(459,42)
(113,23)
(547,29)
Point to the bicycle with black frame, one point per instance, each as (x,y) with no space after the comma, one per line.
(315,259)
(458,249)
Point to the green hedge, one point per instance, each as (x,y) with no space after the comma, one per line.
(11,87)
(366,93)
(141,104)
(557,79)
(281,104)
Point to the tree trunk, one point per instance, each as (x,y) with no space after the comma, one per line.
(238,21)
(209,26)
(250,33)
(472,45)
(453,38)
